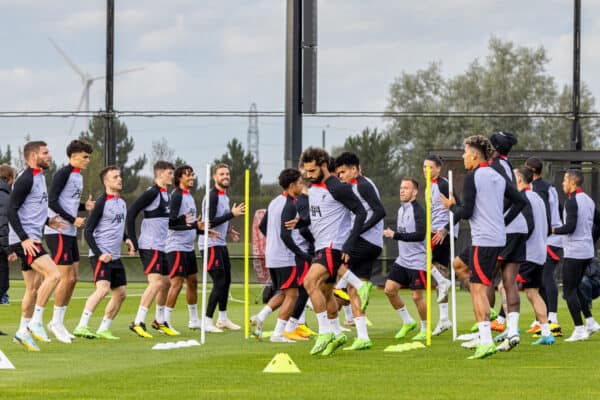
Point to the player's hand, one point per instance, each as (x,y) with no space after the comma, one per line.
(105,258)
(388,233)
(345,258)
(213,234)
(291,224)
(447,202)
(235,235)
(30,246)
(89,203)
(57,224)
(439,236)
(129,244)
(189,219)
(79,222)
(12,257)
(238,209)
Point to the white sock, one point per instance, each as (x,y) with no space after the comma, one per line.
(546,329)
(222,315)
(23,325)
(56,316)
(105,324)
(193,311)
(500,319)
(264,313)
(302,319)
(85,318)
(159,314)
(437,275)
(291,325)
(141,315)
(405,315)
(513,324)
(361,327)
(38,315)
(443,311)
(580,329)
(279,327)
(208,321)
(590,321)
(342,283)
(335,326)
(553,318)
(324,325)
(352,279)
(348,312)
(168,314)
(485,333)
(63,311)
(423,326)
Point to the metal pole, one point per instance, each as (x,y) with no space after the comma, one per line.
(576,137)
(110,145)
(293,84)
(323,138)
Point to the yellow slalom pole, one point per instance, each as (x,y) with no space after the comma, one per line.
(428,247)
(247,256)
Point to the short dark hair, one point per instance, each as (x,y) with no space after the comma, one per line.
(106,170)
(347,158)
(576,175)
(162,165)
(316,154)
(481,144)
(526,174)
(435,158)
(218,166)
(79,146)
(33,146)
(180,171)
(535,164)
(7,172)
(288,176)
(411,180)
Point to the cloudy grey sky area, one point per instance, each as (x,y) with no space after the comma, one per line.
(225,55)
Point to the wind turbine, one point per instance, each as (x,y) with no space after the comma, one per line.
(86,80)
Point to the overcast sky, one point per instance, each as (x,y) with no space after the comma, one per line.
(225,55)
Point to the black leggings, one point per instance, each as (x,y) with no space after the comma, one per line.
(300,303)
(219,294)
(549,289)
(4,281)
(573,271)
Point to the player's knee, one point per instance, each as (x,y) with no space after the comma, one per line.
(54,277)
(389,290)
(72,280)
(416,295)
(192,285)
(102,291)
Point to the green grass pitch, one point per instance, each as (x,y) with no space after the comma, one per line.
(229,366)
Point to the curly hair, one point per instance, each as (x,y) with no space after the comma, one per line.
(481,144)
(316,154)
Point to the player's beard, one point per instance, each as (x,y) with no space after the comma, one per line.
(319,178)
(224,183)
(43,164)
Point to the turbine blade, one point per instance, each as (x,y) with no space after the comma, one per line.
(67,59)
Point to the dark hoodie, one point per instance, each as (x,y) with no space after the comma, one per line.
(4,194)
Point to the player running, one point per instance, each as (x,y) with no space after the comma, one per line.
(367,247)
(27,216)
(104,233)
(483,204)
(65,201)
(331,205)
(410,265)
(154,202)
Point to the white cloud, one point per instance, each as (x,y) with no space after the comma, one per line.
(165,38)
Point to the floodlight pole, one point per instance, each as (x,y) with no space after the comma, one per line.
(576,136)
(110,145)
(293,84)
